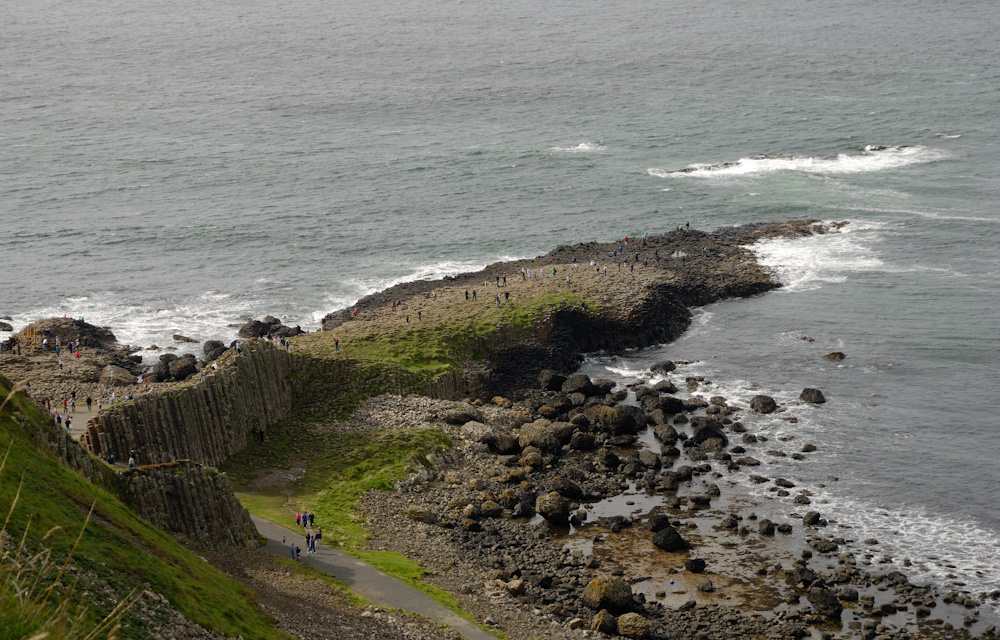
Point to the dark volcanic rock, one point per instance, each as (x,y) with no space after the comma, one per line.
(669,540)
(836,355)
(665,366)
(825,603)
(658,522)
(694,565)
(553,507)
(763,404)
(254,329)
(549,380)
(709,432)
(183,367)
(213,349)
(579,383)
(814,396)
(621,419)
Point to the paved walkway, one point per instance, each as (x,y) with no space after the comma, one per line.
(365,580)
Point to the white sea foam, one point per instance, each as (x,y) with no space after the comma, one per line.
(583,147)
(930,541)
(870,160)
(807,263)
(206,316)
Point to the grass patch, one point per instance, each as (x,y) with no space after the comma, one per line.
(116,549)
(342,467)
(450,334)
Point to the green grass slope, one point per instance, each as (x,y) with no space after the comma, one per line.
(46,506)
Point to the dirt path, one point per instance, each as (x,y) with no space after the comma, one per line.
(368,582)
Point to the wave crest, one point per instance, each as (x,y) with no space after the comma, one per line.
(872,158)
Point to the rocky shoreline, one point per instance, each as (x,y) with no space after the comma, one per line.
(531,518)
(571,506)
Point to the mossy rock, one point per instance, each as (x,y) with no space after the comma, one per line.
(608,592)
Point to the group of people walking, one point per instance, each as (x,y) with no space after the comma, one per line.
(305,520)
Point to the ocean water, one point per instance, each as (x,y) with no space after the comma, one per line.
(180,167)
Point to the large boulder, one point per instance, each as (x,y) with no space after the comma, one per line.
(825,603)
(553,507)
(549,380)
(608,592)
(213,349)
(5,326)
(814,396)
(668,539)
(579,383)
(603,386)
(763,404)
(618,420)
(665,366)
(461,413)
(537,434)
(501,443)
(665,386)
(286,332)
(632,625)
(665,433)
(708,432)
(254,329)
(116,376)
(183,367)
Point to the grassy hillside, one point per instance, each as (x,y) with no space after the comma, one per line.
(46,507)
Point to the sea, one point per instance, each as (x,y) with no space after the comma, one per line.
(178,168)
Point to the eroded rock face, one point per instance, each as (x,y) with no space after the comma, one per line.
(186,498)
(608,592)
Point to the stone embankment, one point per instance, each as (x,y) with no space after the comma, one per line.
(205,421)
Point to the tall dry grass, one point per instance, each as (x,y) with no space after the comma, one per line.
(35,603)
